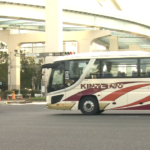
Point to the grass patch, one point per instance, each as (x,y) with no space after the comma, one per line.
(36,99)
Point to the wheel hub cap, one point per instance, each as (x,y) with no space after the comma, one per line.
(88,106)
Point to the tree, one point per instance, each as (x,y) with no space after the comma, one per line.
(30,72)
(26,73)
(37,75)
(4,70)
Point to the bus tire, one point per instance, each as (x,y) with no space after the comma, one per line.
(100,111)
(89,106)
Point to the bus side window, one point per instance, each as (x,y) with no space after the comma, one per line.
(75,69)
(145,67)
(120,68)
(94,72)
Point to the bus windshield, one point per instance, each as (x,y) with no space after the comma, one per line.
(57,82)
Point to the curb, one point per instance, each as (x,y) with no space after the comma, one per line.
(34,101)
(14,101)
(21,101)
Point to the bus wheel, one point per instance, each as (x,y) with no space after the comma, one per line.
(89,106)
(100,111)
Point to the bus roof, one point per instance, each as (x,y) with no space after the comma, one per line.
(108,54)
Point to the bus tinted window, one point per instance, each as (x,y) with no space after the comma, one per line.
(76,68)
(73,70)
(58,82)
(119,68)
(94,72)
(145,67)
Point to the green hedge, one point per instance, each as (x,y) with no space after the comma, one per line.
(32,92)
(3,94)
(24,93)
(16,91)
(35,92)
(36,99)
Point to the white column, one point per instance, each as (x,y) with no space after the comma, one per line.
(64,46)
(113,45)
(14,70)
(134,47)
(54,33)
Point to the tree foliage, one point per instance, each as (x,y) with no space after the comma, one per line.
(3,70)
(30,72)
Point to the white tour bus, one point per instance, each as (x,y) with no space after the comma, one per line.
(99,81)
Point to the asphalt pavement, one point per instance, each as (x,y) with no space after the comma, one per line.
(33,127)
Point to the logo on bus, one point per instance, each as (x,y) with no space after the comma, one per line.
(101,86)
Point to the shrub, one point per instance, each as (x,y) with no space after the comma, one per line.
(35,92)
(3,94)
(24,93)
(37,99)
(32,92)
(16,91)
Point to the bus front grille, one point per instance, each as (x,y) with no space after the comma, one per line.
(56,99)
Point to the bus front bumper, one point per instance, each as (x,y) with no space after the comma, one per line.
(62,106)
